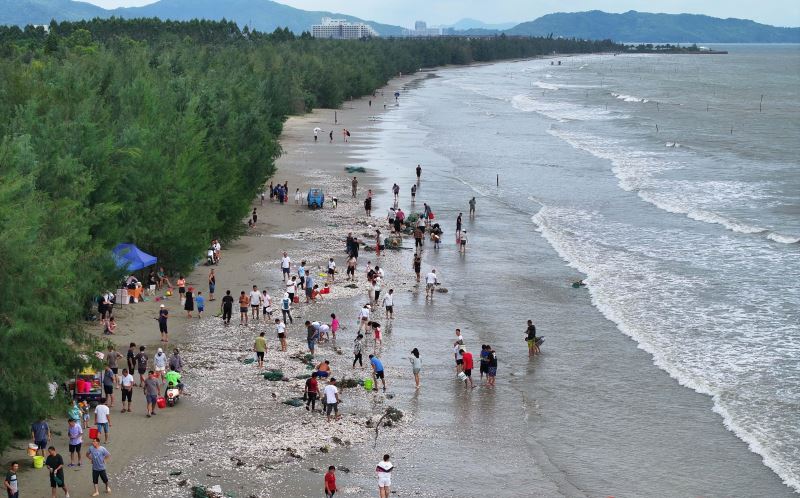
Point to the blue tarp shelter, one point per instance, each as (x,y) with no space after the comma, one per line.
(131,258)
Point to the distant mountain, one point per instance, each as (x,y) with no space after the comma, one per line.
(635,26)
(24,12)
(263,15)
(467,23)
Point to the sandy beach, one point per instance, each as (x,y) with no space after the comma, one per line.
(232,428)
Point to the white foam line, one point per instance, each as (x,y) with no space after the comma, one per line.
(697,385)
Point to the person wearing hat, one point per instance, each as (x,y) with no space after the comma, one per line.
(160,364)
(163,314)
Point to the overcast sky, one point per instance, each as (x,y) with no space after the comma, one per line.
(405,12)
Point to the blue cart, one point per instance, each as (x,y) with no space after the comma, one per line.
(315,199)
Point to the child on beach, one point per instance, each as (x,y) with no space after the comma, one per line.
(334,325)
(200,301)
(376,331)
(330,482)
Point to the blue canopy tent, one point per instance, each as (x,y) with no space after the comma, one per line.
(131,258)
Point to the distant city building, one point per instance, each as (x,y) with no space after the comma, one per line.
(421,29)
(342,29)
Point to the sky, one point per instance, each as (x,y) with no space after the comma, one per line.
(436,12)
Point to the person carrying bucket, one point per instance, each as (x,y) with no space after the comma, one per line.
(55,464)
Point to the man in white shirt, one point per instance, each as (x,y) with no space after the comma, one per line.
(127,381)
(291,288)
(332,269)
(332,399)
(388,302)
(102,419)
(286,264)
(363,318)
(430,283)
(255,303)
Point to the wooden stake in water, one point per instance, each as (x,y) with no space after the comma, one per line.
(761,102)
(498,179)
(656,128)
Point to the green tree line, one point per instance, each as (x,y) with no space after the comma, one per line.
(158,133)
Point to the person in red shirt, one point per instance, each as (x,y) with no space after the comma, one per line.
(467,357)
(330,482)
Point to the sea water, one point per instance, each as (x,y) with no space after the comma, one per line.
(671,184)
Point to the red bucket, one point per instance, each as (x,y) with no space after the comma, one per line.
(93,433)
(161,402)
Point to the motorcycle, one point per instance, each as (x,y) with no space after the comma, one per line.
(173,395)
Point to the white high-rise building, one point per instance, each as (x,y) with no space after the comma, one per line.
(342,29)
(421,29)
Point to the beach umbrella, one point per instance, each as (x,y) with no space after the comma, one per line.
(131,258)
(317,130)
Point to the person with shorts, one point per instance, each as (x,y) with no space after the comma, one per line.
(332,400)
(351,268)
(200,301)
(312,334)
(330,482)
(309,288)
(255,303)
(160,364)
(151,388)
(291,288)
(40,435)
(99,455)
(332,270)
(492,373)
(75,435)
(260,347)
(227,308)
(244,305)
(266,304)
(126,386)
(311,392)
(377,372)
(55,464)
(212,284)
(163,315)
(417,264)
(384,471)
(484,362)
(301,275)
(102,418)
(112,356)
(530,338)
(466,358)
(286,265)
(141,364)
(280,329)
(430,283)
(463,247)
(108,385)
(388,303)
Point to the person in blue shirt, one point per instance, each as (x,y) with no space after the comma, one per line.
(200,301)
(377,372)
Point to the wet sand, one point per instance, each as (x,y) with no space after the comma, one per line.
(144,451)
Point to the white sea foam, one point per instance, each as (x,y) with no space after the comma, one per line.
(712,345)
(783,239)
(546,86)
(562,111)
(629,98)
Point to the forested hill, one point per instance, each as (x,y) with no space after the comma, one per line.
(160,134)
(263,15)
(635,26)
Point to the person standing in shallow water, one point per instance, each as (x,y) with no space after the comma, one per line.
(419,172)
(472,208)
(354,183)
(530,338)
(416,365)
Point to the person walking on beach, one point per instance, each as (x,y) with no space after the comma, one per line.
(330,135)
(40,435)
(354,184)
(244,304)
(151,390)
(368,206)
(419,172)
(163,316)
(388,303)
(332,400)
(463,246)
(458,225)
(332,270)
(286,308)
(301,274)
(358,350)
(297,196)
(311,392)
(418,239)
(181,288)
(467,365)
(141,364)
(102,418)
(10,482)
(126,387)
(363,318)
(108,385)
(484,361)
(351,268)
(160,364)
(255,303)
(377,372)
(75,435)
(227,308)
(472,208)
(260,347)
(280,330)
(417,265)
(212,284)
(55,464)
(330,476)
(530,338)
(291,288)
(416,365)
(384,471)
(200,301)
(396,192)
(188,304)
(131,357)
(99,456)
(286,265)
(430,283)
